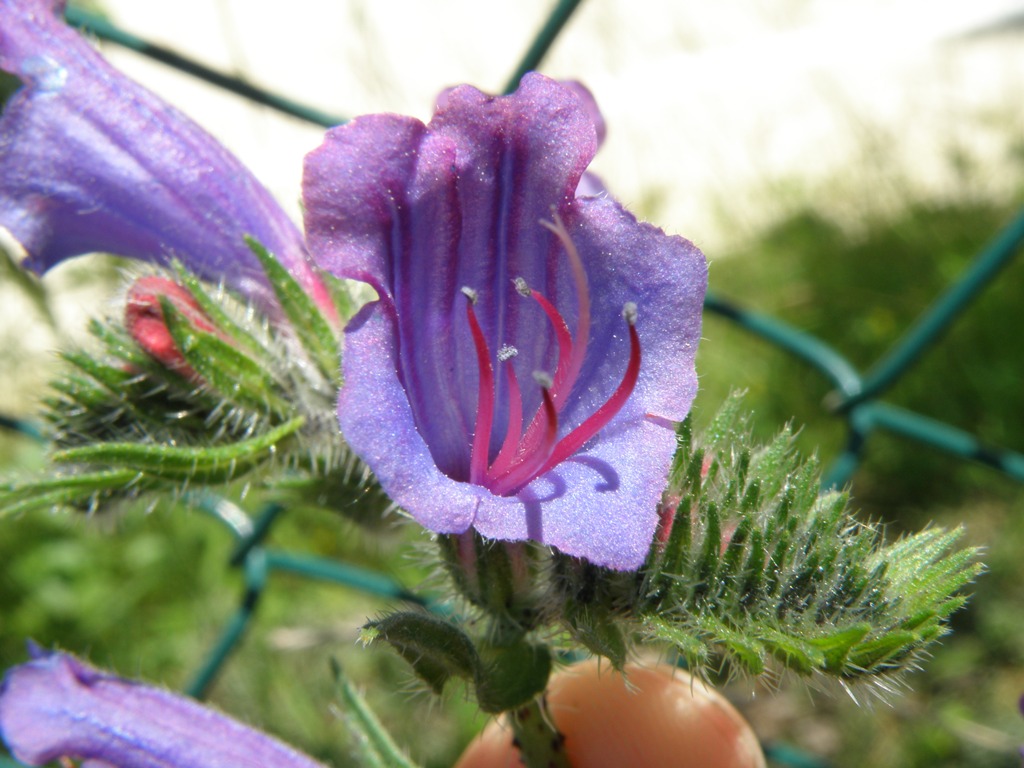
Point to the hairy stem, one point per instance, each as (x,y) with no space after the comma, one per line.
(540,743)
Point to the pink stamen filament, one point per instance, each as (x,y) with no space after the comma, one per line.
(572,442)
(579,277)
(509,448)
(485,396)
(529,465)
(571,352)
(563,384)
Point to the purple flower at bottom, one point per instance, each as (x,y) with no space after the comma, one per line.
(55,706)
(530,347)
(1020,706)
(91,161)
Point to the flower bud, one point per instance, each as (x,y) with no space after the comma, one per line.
(145,322)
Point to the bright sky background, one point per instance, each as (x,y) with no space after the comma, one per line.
(705,102)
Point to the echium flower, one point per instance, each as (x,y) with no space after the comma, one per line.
(530,347)
(91,161)
(55,706)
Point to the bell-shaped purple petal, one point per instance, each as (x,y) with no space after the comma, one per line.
(91,161)
(421,211)
(55,706)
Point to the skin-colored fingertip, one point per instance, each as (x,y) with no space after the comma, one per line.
(662,717)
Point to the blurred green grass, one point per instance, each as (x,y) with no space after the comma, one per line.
(146,591)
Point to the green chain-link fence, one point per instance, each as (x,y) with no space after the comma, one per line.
(856,397)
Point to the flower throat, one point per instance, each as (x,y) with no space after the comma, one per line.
(527,454)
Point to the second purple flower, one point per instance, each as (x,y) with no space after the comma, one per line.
(529,347)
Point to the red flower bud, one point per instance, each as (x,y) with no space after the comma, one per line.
(144,320)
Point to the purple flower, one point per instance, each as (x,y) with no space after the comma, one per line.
(489,268)
(1020,706)
(55,706)
(91,161)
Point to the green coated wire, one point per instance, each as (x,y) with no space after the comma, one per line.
(794,758)
(104,30)
(840,471)
(27,428)
(259,532)
(865,417)
(543,41)
(256,571)
(808,348)
(367,581)
(250,537)
(228,514)
(900,421)
(930,326)
(258,563)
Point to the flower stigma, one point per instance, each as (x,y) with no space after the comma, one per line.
(526,454)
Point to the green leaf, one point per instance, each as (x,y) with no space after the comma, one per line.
(200,464)
(795,653)
(436,649)
(374,745)
(689,643)
(661,564)
(836,646)
(115,407)
(213,308)
(112,378)
(600,633)
(80,490)
(681,460)
(225,368)
(119,345)
(741,647)
(726,425)
(315,334)
(872,654)
(711,551)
